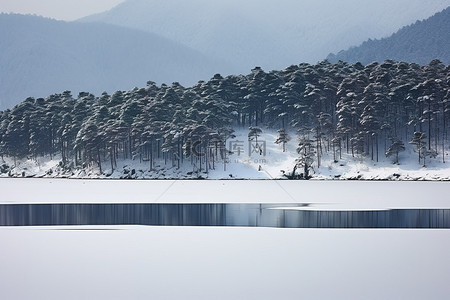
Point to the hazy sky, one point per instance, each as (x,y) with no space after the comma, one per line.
(58,9)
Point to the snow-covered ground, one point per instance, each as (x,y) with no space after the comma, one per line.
(132,262)
(246,164)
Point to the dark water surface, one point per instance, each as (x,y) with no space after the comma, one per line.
(244,215)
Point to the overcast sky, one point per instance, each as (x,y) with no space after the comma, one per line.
(58,9)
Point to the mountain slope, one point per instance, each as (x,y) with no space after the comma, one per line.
(421,42)
(43,56)
(271,34)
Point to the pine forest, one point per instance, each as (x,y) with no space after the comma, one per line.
(370,111)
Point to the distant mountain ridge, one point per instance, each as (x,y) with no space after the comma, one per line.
(420,42)
(41,56)
(185,41)
(268,33)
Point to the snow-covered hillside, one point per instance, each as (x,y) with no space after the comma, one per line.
(272,163)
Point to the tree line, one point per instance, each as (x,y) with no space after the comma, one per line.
(370,110)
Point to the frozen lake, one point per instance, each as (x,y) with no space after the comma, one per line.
(135,262)
(215,214)
(147,262)
(326,195)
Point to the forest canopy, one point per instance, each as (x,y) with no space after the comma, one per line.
(343,107)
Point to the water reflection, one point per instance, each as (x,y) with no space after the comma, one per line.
(245,215)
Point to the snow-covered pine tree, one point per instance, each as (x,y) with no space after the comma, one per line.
(396,146)
(254,133)
(305,160)
(283,138)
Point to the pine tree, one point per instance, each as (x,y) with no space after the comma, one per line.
(394,149)
(418,140)
(305,160)
(283,138)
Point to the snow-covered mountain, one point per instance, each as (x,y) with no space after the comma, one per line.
(42,56)
(420,42)
(185,41)
(271,34)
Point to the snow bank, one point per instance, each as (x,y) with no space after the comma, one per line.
(245,163)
